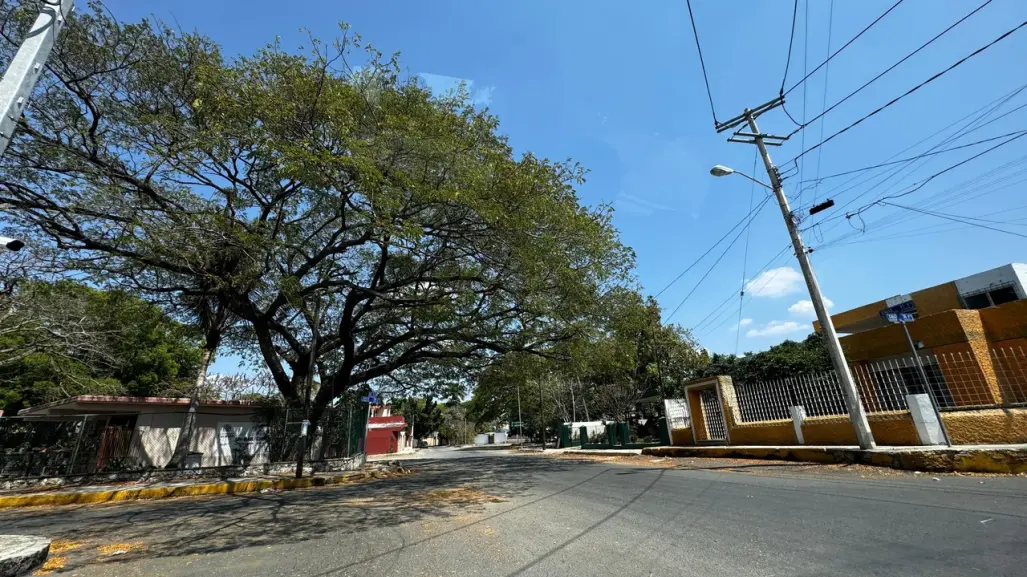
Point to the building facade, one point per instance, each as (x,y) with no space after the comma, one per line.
(970,333)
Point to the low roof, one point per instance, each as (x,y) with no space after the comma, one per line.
(81,402)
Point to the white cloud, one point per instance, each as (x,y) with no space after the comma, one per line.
(804,308)
(774,283)
(441,84)
(742,323)
(775,328)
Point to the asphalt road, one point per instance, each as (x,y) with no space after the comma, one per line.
(501,514)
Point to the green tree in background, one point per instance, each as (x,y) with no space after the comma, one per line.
(63,339)
(424,415)
(786,359)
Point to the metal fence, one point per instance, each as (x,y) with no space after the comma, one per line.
(108,443)
(955,381)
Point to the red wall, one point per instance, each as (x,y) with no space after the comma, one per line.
(385,439)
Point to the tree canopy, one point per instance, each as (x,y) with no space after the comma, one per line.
(786,359)
(62,339)
(353,224)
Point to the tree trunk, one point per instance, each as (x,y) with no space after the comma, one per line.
(185,436)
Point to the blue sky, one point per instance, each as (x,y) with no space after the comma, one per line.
(617,86)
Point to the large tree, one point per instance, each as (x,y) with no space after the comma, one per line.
(278,180)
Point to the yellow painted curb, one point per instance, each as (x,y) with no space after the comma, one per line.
(942,460)
(219,488)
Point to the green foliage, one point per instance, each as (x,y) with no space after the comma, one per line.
(605,371)
(277,184)
(424,414)
(779,361)
(66,339)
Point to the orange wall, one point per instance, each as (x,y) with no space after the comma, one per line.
(766,433)
(990,426)
(936,299)
(895,430)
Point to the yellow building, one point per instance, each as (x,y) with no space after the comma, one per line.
(971,334)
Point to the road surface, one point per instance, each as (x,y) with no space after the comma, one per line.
(502,514)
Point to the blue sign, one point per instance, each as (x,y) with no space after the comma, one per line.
(370,399)
(898,317)
(903,312)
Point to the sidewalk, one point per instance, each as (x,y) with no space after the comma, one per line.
(189,488)
(1010,459)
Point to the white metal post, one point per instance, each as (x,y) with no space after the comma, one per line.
(23,72)
(856,413)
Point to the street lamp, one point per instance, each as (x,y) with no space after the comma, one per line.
(721,170)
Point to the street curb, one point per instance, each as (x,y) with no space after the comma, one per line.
(219,488)
(1010,461)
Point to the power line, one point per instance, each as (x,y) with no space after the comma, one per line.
(791,39)
(744,219)
(716,262)
(910,91)
(892,67)
(702,63)
(805,58)
(956,219)
(917,157)
(720,307)
(745,255)
(991,107)
(922,183)
(958,194)
(869,26)
(720,319)
(823,105)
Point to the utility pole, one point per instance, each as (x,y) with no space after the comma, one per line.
(856,413)
(520,421)
(23,72)
(574,406)
(541,418)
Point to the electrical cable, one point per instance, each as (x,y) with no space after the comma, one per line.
(745,254)
(969,128)
(791,39)
(702,63)
(869,26)
(716,262)
(956,219)
(922,183)
(823,105)
(892,67)
(917,157)
(805,58)
(744,219)
(706,320)
(910,91)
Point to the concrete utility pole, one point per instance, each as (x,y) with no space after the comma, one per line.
(520,421)
(23,72)
(856,413)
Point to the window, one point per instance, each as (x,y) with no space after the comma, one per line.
(991,297)
(979,301)
(1003,295)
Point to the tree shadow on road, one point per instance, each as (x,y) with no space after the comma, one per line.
(180,527)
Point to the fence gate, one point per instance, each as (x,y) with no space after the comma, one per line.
(712,416)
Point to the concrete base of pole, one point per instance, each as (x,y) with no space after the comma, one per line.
(21,554)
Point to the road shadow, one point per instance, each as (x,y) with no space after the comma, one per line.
(188,526)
